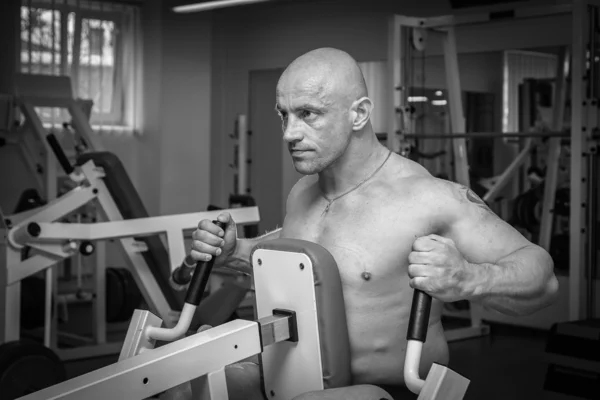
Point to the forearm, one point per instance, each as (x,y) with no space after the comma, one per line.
(240,259)
(518,284)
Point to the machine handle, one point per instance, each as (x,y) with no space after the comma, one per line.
(60,154)
(419,316)
(200,277)
(183,274)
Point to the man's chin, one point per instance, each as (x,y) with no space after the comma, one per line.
(305,168)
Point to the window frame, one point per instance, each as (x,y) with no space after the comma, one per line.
(116,116)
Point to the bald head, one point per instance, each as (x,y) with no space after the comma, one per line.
(330,73)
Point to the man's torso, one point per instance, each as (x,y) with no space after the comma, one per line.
(371,230)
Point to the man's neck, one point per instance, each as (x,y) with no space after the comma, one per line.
(359,162)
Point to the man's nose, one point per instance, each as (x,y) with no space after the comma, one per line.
(292,131)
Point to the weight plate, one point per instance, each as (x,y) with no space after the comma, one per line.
(26,367)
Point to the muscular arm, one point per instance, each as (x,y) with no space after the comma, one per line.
(240,259)
(505,271)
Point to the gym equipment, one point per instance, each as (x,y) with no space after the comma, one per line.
(33,290)
(149,261)
(100,183)
(573,356)
(27,367)
(104,181)
(300,334)
(573,85)
(441,381)
(122,295)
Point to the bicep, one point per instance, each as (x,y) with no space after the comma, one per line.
(479,234)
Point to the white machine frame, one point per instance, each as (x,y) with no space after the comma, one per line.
(286,334)
(58,241)
(143,371)
(584,114)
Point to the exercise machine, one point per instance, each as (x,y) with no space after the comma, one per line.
(300,335)
(144,252)
(575,82)
(151,247)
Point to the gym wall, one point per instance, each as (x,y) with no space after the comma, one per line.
(170,163)
(268,36)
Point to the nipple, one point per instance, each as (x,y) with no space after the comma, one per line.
(366,276)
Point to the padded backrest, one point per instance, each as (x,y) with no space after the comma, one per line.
(331,311)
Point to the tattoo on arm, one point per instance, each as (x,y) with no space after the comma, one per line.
(473,198)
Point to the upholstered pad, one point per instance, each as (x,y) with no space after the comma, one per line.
(331,312)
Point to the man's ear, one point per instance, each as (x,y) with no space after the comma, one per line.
(361,113)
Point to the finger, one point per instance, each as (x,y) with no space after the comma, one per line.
(419,270)
(442,239)
(425,243)
(199,256)
(208,238)
(208,226)
(226,218)
(203,247)
(419,257)
(421,283)
(204,328)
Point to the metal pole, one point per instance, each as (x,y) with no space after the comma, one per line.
(554,150)
(578,178)
(457,117)
(476,135)
(242,155)
(592,224)
(395,83)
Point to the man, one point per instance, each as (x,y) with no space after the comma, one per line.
(390,226)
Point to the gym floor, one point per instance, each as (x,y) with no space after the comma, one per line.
(507,364)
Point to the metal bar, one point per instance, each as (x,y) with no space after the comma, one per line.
(17,271)
(10,295)
(577,196)
(477,135)
(592,225)
(395,81)
(274,329)
(242,154)
(82,126)
(138,227)
(48,307)
(498,13)
(554,150)
(457,118)
(57,208)
(99,306)
(508,173)
(152,372)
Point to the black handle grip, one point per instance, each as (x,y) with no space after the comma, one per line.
(59,153)
(183,274)
(419,316)
(200,277)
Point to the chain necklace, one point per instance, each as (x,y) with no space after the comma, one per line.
(330,202)
(365,275)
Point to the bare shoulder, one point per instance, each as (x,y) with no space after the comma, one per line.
(301,187)
(444,194)
(410,179)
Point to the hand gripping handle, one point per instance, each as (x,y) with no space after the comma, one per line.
(200,277)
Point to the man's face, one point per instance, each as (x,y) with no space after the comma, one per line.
(315,120)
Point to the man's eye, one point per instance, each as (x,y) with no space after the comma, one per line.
(305,114)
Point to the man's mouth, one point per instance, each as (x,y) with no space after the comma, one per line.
(298,151)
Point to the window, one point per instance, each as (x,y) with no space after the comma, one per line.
(95,44)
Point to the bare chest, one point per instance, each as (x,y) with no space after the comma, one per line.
(369,237)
